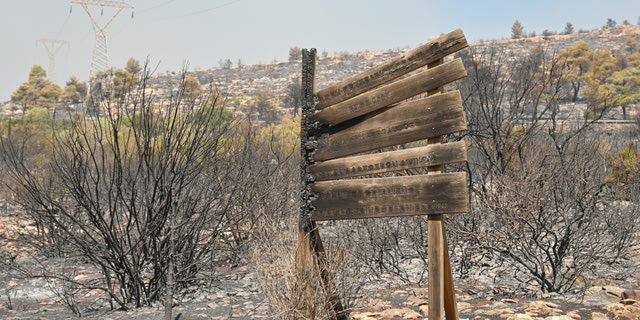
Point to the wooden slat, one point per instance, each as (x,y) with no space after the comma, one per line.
(392,69)
(407,122)
(390,161)
(390,197)
(393,93)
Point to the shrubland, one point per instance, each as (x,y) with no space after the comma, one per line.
(155,195)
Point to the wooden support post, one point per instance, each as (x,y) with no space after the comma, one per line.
(441,291)
(308,232)
(436,266)
(450,304)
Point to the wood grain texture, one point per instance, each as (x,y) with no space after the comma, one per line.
(410,121)
(392,69)
(393,93)
(390,197)
(450,304)
(390,161)
(435,264)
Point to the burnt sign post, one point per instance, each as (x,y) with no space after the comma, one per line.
(371,111)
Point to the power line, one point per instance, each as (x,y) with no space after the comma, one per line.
(156,6)
(210,9)
(201,11)
(64,24)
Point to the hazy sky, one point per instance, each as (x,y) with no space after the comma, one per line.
(202,32)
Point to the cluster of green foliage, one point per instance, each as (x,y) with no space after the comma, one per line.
(610,79)
(283,138)
(39,118)
(295,53)
(517,30)
(624,165)
(39,92)
(192,88)
(38,128)
(118,81)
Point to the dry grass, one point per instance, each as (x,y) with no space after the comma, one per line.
(288,275)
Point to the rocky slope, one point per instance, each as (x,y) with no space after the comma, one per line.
(241,84)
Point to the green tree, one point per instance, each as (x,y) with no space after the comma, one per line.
(75,91)
(123,80)
(625,165)
(133,66)
(192,89)
(37,92)
(577,60)
(633,60)
(49,95)
(37,72)
(25,96)
(71,95)
(599,97)
(295,53)
(267,110)
(610,23)
(631,44)
(547,33)
(604,65)
(625,87)
(116,82)
(517,31)
(568,29)
(225,63)
(81,87)
(293,97)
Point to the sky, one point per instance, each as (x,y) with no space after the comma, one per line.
(171,33)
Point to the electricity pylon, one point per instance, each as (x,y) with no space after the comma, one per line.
(100,58)
(53,47)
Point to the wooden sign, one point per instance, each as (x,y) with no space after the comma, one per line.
(407,122)
(392,69)
(376,109)
(432,155)
(390,197)
(392,93)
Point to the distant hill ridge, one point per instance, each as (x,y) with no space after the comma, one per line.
(242,84)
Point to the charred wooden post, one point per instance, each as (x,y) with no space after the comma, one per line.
(308,233)
(308,131)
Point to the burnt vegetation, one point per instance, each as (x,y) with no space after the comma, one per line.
(152,196)
(155,195)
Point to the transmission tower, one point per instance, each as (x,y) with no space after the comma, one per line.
(100,58)
(53,47)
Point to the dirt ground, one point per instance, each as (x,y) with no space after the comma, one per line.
(234,294)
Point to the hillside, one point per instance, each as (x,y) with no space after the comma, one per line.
(242,84)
